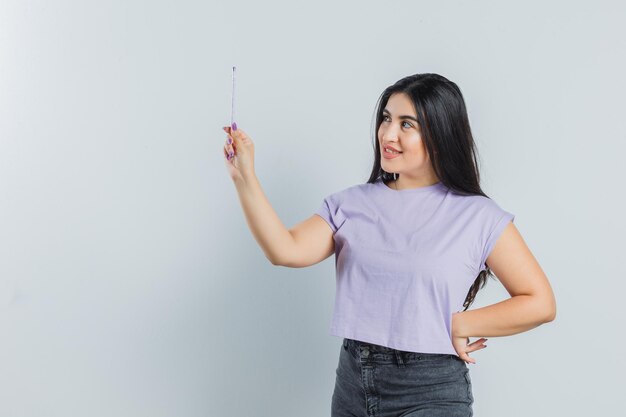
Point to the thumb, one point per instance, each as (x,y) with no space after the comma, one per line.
(467,358)
(240,138)
(235,133)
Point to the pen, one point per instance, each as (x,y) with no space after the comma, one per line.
(232,100)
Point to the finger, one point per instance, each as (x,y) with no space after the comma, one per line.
(238,135)
(233,137)
(230,146)
(467,358)
(475,348)
(229,153)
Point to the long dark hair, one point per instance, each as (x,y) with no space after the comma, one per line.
(447,136)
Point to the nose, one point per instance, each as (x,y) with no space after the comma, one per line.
(389,138)
(389,134)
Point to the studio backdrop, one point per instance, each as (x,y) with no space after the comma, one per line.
(130,283)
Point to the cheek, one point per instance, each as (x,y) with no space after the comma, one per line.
(416,153)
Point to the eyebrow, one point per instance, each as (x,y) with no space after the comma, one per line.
(403,117)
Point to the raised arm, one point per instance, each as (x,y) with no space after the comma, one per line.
(305,244)
(313,243)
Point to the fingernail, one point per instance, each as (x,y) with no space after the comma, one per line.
(232,154)
(234,126)
(230,140)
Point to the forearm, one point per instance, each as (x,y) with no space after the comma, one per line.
(514,315)
(265,225)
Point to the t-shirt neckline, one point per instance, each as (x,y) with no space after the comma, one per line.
(436,186)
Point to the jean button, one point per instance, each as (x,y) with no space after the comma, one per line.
(366,352)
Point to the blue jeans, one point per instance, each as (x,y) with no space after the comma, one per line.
(374,380)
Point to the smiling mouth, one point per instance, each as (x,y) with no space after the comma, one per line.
(390,155)
(391,151)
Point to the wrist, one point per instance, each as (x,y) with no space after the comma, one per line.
(456,324)
(245,179)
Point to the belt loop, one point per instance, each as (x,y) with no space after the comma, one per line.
(345,344)
(399,359)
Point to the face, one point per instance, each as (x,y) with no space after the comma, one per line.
(400,130)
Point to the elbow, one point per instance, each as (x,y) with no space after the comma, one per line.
(545,306)
(280,262)
(551,314)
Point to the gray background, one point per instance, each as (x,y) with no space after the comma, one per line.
(130,283)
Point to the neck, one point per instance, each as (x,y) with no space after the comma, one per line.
(398,185)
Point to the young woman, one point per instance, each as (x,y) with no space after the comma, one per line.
(412,247)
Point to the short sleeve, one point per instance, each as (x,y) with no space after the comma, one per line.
(326,211)
(498,221)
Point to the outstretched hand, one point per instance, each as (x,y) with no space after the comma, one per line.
(462,346)
(238,152)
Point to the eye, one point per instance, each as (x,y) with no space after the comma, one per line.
(385,119)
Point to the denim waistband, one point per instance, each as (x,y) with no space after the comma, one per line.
(358,344)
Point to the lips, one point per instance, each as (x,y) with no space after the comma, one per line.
(391,147)
(389,155)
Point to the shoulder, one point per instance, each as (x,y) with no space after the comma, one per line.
(478,212)
(490,214)
(352,192)
(477,203)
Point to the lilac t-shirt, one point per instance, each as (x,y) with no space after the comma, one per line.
(405,261)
